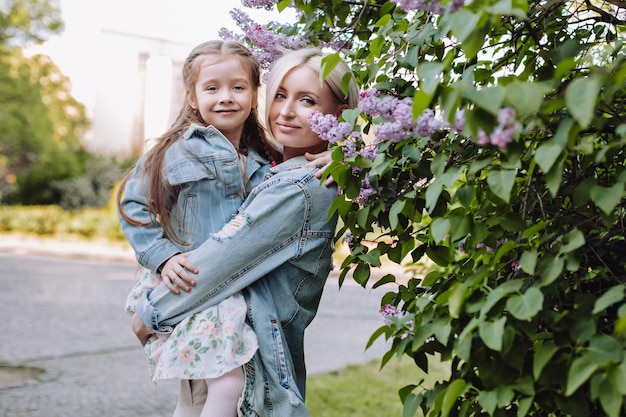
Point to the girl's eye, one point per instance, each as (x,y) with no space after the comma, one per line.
(238,88)
(211,88)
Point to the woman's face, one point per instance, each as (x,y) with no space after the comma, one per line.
(298,95)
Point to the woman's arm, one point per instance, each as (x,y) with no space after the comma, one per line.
(262,236)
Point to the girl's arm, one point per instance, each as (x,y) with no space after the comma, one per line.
(147,239)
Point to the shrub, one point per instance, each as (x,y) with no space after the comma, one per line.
(498,154)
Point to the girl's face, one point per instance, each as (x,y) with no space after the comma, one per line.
(298,95)
(224,94)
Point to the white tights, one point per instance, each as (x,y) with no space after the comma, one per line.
(216,397)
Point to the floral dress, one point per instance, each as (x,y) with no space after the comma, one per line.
(202,346)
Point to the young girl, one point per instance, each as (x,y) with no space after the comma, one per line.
(187,186)
(277,248)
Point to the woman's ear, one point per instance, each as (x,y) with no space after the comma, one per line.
(340,110)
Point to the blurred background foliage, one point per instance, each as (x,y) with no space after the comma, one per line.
(42,157)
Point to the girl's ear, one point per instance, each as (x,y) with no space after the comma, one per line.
(191,99)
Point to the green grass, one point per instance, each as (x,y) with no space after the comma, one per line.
(366,390)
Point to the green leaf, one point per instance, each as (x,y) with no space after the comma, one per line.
(394,211)
(524,406)
(283,4)
(452,393)
(605,349)
(550,269)
(572,241)
(527,305)
(411,404)
(457,299)
(554,178)
(489,99)
(610,399)
(440,228)
(498,293)
(361,274)
(439,254)
(492,332)
(607,198)
(542,356)
(547,154)
(429,74)
(501,183)
(612,296)
(528,260)
(383,20)
(459,226)
(581,370)
(463,23)
(526,97)
(329,62)
(580,97)
(488,400)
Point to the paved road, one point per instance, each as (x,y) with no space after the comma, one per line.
(66,329)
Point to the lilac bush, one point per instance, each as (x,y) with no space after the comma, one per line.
(489,148)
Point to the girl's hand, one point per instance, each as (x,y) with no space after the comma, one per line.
(175,273)
(322,160)
(142,331)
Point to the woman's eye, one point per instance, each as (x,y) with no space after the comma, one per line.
(280,96)
(308,101)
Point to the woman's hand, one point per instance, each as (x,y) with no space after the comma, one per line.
(175,273)
(142,331)
(322,160)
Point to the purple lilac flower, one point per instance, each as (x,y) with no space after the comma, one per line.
(348,238)
(227,34)
(389,311)
(366,191)
(502,135)
(260,4)
(392,131)
(403,113)
(328,128)
(432,6)
(349,148)
(369,152)
(459,121)
(427,124)
(266,38)
(372,104)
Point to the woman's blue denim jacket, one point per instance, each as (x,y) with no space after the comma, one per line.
(204,167)
(278,250)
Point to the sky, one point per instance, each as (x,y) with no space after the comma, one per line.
(186,21)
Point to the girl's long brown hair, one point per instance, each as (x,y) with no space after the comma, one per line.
(162,196)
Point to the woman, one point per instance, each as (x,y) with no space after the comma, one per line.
(277,249)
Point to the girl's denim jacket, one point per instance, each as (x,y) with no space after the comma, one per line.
(278,250)
(203,167)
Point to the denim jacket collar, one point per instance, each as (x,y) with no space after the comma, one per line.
(289,164)
(208,131)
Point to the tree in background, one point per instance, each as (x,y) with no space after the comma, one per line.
(488,143)
(41,124)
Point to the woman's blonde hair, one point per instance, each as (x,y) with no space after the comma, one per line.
(161,196)
(312,58)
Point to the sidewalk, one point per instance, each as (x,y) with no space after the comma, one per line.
(69,247)
(67,349)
